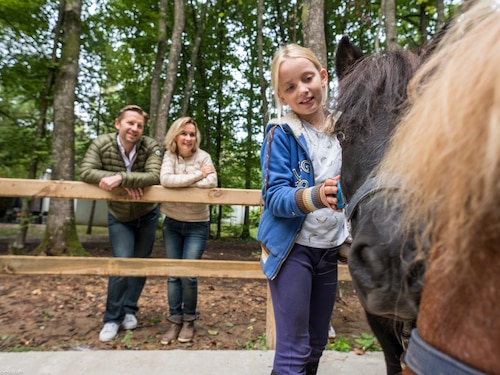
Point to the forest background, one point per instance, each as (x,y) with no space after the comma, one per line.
(68,66)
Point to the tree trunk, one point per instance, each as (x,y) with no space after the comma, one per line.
(260,58)
(390,24)
(173,61)
(440,13)
(424,23)
(314,29)
(155,90)
(194,56)
(60,235)
(20,243)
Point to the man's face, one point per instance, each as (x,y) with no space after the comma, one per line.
(130,127)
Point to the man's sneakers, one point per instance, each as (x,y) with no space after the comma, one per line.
(129,322)
(110,329)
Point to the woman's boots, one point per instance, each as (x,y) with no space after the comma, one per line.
(181,329)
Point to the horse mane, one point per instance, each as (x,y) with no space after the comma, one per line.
(445,152)
(373,94)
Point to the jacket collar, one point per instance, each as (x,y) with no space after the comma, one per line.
(292,120)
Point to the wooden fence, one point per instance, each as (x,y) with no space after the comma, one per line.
(71,266)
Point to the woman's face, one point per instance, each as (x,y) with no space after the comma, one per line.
(186,140)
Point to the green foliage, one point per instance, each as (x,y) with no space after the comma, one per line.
(367,343)
(341,344)
(119,44)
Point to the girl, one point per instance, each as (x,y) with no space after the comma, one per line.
(301,229)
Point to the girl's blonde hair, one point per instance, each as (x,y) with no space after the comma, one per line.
(292,51)
(176,129)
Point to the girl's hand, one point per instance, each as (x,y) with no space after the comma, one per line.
(328,193)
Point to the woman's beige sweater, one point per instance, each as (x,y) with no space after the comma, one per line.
(176,172)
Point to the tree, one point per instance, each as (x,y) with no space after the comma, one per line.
(60,235)
(161,50)
(200,26)
(173,61)
(260,63)
(314,29)
(389,11)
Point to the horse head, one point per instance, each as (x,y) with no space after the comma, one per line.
(371,99)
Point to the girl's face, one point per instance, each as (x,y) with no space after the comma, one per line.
(186,140)
(301,86)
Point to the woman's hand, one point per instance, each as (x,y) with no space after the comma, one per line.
(206,169)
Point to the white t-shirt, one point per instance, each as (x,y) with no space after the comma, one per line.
(324,228)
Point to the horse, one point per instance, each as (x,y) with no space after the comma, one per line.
(421,176)
(370,99)
(444,156)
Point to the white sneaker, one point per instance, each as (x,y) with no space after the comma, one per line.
(129,322)
(109,331)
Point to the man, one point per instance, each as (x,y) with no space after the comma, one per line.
(129,160)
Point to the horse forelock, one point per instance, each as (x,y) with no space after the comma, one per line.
(372,96)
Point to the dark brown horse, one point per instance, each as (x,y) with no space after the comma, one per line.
(434,200)
(371,98)
(445,157)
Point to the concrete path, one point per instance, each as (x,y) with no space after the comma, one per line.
(176,362)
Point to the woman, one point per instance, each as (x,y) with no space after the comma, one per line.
(186,226)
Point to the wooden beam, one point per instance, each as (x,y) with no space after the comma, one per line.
(13,187)
(105,266)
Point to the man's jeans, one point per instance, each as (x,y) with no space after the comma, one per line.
(184,240)
(132,239)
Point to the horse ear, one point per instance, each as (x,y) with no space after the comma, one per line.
(346,56)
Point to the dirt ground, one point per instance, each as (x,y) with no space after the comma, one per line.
(65,312)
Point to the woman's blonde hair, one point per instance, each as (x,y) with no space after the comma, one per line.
(292,51)
(176,129)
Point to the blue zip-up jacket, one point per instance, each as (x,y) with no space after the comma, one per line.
(288,190)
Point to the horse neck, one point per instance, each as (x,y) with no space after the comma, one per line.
(459,309)
(361,156)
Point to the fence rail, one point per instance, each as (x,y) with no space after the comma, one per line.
(71,266)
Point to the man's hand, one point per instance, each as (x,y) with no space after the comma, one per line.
(135,193)
(109,183)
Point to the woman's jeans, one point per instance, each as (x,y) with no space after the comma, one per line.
(303,294)
(131,239)
(184,240)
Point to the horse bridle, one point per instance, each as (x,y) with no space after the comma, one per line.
(369,188)
(423,358)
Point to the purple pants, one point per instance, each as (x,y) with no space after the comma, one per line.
(303,295)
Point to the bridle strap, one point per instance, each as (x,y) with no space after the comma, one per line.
(366,190)
(422,358)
